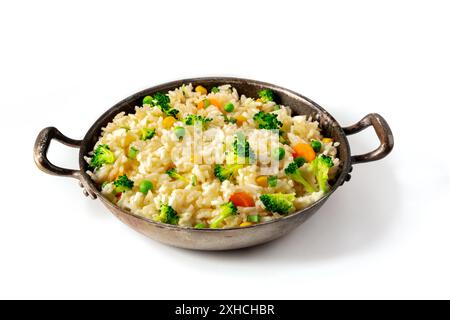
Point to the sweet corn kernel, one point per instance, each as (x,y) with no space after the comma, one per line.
(168,122)
(327,140)
(261,181)
(246,224)
(201,89)
(240,120)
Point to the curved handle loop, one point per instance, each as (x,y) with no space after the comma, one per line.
(41,148)
(383,132)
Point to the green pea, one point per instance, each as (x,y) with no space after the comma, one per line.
(316,145)
(214,90)
(132,153)
(145,186)
(254,218)
(180,132)
(278,153)
(200,226)
(206,103)
(147,100)
(229,107)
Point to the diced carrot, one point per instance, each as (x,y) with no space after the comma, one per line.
(240,120)
(242,199)
(216,103)
(200,105)
(304,150)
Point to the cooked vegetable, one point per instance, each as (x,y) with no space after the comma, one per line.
(200,226)
(272,181)
(327,140)
(215,90)
(102,155)
(278,153)
(261,181)
(175,175)
(321,165)
(281,203)
(241,148)
(266,95)
(194,180)
(242,199)
(206,103)
(300,161)
(162,101)
(123,184)
(132,153)
(304,150)
(167,214)
(226,210)
(293,172)
(147,100)
(147,133)
(282,139)
(229,107)
(229,119)
(196,120)
(226,172)
(145,186)
(201,89)
(316,145)
(240,120)
(215,103)
(168,122)
(180,132)
(267,121)
(254,218)
(246,224)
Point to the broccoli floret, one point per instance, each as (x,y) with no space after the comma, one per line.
(102,155)
(175,175)
(321,165)
(228,120)
(123,184)
(241,148)
(226,210)
(293,172)
(316,145)
(266,95)
(272,181)
(267,121)
(196,120)
(167,215)
(300,161)
(162,101)
(281,203)
(147,133)
(226,172)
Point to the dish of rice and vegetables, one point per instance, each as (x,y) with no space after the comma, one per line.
(214,159)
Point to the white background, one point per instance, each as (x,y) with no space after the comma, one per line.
(386,234)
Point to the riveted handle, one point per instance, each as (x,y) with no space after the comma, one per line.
(41,148)
(383,132)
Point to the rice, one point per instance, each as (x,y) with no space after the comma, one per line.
(197,198)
